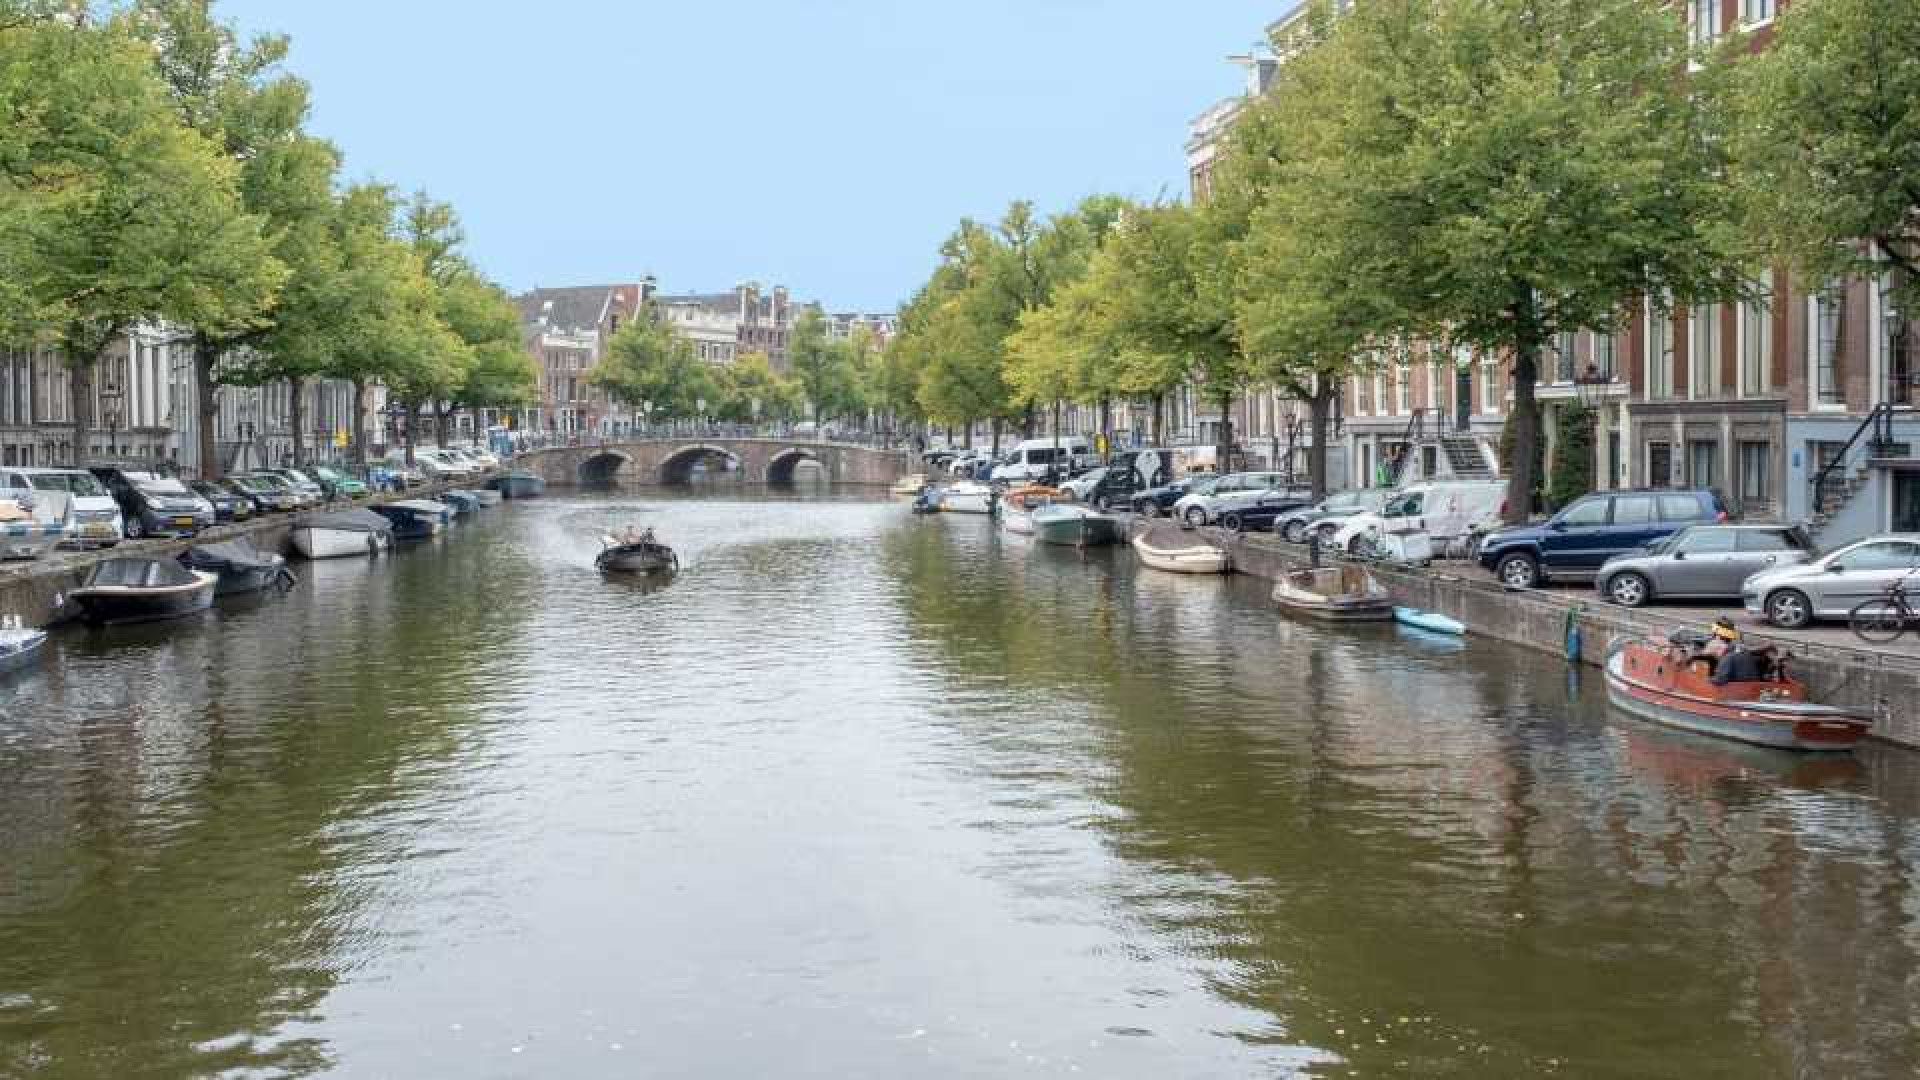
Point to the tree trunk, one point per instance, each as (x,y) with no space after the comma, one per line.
(206,406)
(1223,443)
(80,400)
(1319,410)
(1526,432)
(1106,428)
(1056,435)
(1157,427)
(360,422)
(406,437)
(1027,420)
(440,424)
(297,417)
(996,437)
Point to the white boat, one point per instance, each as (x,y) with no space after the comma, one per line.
(1016,519)
(340,534)
(910,485)
(966,497)
(1165,546)
(488,496)
(28,532)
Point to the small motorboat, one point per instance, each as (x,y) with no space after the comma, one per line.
(337,534)
(125,590)
(1334,593)
(1428,620)
(415,519)
(1016,507)
(1672,685)
(928,501)
(487,496)
(1165,546)
(241,567)
(910,484)
(966,497)
(19,645)
(632,553)
(28,532)
(1075,526)
(462,503)
(518,484)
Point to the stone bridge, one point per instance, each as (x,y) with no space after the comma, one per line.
(671,461)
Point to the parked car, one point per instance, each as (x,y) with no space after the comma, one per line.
(1081,487)
(154,505)
(1702,562)
(1324,516)
(96,517)
(227,505)
(1833,585)
(1575,542)
(1156,501)
(1449,512)
(1230,492)
(1031,459)
(429,461)
(1131,472)
(314,491)
(269,492)
(338,484)
(1272,507)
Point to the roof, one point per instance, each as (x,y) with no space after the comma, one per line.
(581,307)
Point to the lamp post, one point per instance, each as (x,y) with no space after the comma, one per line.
(394,412)
(110,404)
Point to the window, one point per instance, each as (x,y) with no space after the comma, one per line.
(1659,464)
(1436,388)
(1755,12)
(1703,355)
(1563,357)
(1379,396)
(1756,340)
(1702,456)
(1769,540)
(1755,460)
(1679,508)
(1489,386)
(1603,359)
(1633,510)
(1586,512)
(1659,353)
(1708,541)
(1880,555)
(1402,378)
(1703,21)
(1829,311)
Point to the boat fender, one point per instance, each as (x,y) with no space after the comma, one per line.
(1571,635)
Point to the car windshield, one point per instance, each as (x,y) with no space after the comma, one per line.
(82,484)
(162,485)
(269,482)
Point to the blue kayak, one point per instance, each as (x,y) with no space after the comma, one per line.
(1428,620)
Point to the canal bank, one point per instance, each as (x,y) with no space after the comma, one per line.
(1883,682)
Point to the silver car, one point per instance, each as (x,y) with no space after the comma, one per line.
(1704,562)
(1831,586)
(1234,491)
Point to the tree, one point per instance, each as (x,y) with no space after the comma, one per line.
(1826,141)
(751,391)
(829,372)
(1511,169)
(647,362)
(498,372)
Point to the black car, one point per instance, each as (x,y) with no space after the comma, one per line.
(1131,473)
(1261,515)
(154,505)
(227,506)
(1156,501)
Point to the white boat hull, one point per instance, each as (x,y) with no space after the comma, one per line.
(1196,559)
(323,543)
(1016,521)
(966,502)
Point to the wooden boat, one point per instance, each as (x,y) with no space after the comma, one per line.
(240,567)
(1334,593)
(1165,546)
(518,484)
(415,519)
(1076,526)
(965,497)
(128,590)
(1668,684)
(1428,620)
(641,556)
(910,484)
(19,646)
(338,534)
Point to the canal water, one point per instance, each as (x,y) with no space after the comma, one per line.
(867,795)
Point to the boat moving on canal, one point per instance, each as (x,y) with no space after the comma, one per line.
(1075,526)
(241,567)
(518,484)
(1166,546)
(1672,685)
(19,645)
(337,534)
(636,553)
(125,590)
(1334,593)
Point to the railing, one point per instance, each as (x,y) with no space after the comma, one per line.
(1409,439)
(642,433)
(1832,477)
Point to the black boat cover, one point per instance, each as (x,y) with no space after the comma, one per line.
(139,573)
(237,554)
(353,519)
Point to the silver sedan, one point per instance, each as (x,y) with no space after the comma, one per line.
(1705,562)
(1833,585)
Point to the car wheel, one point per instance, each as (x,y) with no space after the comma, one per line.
(136,529)
(1149,509)
(1196,516)
(1102,503)
(1231,521)
(1295,532)
(1629,589)
(1518,571)
(1789,609)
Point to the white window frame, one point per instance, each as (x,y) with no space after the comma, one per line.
(1703,351)
(1490,396)
(1659,352)
(1403,387)
(1601,341)
(1815,388)
(1703,21)
(1436,385)
(1753,340)
(1754,13)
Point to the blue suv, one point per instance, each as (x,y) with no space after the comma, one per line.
(1592,529)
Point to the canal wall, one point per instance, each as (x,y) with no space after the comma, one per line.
(1887,685)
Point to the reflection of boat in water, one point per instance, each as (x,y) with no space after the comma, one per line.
(20,646)
(127,590)
(1693,762)
(1668,684)
(1075,526)
(1165,546)
(909,484)
(1335,593)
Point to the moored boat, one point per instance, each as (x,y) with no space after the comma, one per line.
(487,496)
(1335,593)
(965,497)
(1431,621)
(518,484)
(461,502)
(20,646)
(910,484)
(1669,684)
(1165,546)
(337,534)
(241,567)
(1017,505)
(415,519)
(134,589)
(1076,526)
(28,532)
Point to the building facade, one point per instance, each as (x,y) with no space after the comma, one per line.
(566,331)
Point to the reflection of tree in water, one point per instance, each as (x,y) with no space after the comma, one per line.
(1349,830)
(213,843)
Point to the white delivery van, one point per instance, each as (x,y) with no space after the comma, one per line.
(1031,459)
(1445,511)
(96,520)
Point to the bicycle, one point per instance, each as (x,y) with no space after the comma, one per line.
(1881,620)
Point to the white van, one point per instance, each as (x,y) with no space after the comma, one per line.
(1030,459)
(96,520)
(1444,511)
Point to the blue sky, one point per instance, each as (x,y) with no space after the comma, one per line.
(828,146)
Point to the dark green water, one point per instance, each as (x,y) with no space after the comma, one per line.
(862,795)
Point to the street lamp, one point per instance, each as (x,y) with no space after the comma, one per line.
(110,403)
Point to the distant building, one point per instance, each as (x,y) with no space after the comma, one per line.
(842,326)
(566,331)
(725,326)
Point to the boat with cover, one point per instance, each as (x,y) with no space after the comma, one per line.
(636,553)
(487,496)
(415,519)
(19,645)
(965,497)
(1166,546)
(518,484)
(1075,525)
(1672,684)
(461,502)
(1334,593)
(240,567)
(336,534)
(141,589)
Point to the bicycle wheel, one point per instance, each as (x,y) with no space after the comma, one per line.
(1880,620)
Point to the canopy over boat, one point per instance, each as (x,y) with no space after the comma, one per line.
(229,555)
(352,519)
(140,573)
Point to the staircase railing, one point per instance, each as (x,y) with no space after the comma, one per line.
(1877,429)
(1409,439)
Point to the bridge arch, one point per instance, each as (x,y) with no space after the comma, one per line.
(780,467)
(603,468)
(676,469)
